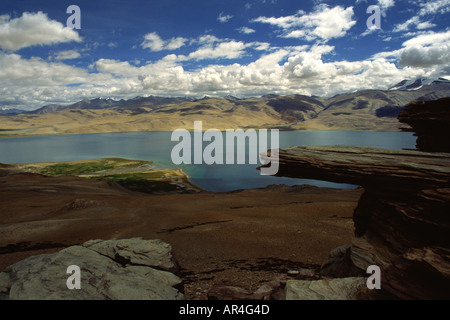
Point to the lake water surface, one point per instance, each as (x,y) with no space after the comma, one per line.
(157,147)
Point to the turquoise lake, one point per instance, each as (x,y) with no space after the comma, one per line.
(157,147)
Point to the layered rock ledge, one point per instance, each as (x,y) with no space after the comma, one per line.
(128,269)
(430,120)
(402,221)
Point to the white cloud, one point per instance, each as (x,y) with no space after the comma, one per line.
(175,43)
(224,18)
(425,57)
(425,25)
(212,47)
(283,71)
(33,29)
(385,5)
(426,50)
(207,39)
(67,55)
(224,50)
(324,23)
(414,21)
(38,83)
(429,52)
(309,64)
(35,82)
(434,6)
(32,83)
(154,42)
(405,25)
(246,30)
(428,39)
(428,8)
(123,68)
(261,46)
(303,69)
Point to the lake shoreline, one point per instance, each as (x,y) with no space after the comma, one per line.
(7,136)
(157,147)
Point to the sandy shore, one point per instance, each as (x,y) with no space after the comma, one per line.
(243,238)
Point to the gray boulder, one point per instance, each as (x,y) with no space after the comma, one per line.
(130,269)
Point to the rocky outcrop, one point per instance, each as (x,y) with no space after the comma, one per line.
(340,265)
(128,269)
(273,290)
(402,221)
(351,288)
(430,120)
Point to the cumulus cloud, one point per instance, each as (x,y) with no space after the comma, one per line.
(154,42)
(33,29)
(428,39)
(308,64)
(116,67)
(307,69)
(303,70)
(35,82)
(175,43)
(324,23)
(426,50)
(425,57)
(223,50)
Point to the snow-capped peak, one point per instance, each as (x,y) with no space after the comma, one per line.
(417,83)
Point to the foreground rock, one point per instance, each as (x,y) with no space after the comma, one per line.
(130,269)
(335,289)
(430,120)
(402,220)
(273,290)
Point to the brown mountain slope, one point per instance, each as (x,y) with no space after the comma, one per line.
(363,110)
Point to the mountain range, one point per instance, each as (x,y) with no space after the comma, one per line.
(416,84)
(361,110)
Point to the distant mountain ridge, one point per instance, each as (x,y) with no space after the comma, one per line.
(360,110)
(278,102)
(13,111)
(417,83)
(99,103)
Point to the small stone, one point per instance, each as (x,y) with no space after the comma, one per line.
(306,272)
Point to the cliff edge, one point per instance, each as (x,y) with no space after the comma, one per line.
(402,220)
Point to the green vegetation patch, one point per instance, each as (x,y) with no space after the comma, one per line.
(88,167)
(136,175)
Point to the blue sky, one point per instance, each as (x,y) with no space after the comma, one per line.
(196,48)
